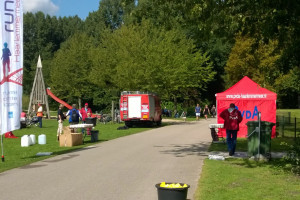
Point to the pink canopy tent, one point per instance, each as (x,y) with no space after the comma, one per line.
(250,98)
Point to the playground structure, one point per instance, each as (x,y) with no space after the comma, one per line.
(38,93)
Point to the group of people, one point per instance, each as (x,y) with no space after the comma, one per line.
(74,116)
(206,111)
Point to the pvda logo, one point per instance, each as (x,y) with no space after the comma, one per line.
(249,114)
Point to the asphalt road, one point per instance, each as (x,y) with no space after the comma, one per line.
(126,168)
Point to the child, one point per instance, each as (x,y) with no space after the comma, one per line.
(88,130)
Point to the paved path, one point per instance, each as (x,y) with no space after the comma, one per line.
(126,168)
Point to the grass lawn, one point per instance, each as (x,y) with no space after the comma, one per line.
(239,179)
(243,179)
(17,156)
(294,112)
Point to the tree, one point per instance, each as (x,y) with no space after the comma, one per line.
(254,59)
(277,20)
(144,57)
(42,36)
(71,69)
(288,88)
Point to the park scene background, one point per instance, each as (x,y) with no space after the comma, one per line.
(186,52)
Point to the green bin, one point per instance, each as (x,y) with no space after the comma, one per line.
(265,137)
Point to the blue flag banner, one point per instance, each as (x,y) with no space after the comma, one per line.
(11,71)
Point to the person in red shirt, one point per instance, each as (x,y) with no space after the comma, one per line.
(232,118)
(84,113)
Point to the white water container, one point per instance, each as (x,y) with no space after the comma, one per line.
(32,137)
(29,140)
(42,139)
(25,141)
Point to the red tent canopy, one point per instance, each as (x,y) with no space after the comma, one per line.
(250,98)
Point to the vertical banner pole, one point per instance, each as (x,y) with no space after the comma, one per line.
(2,154)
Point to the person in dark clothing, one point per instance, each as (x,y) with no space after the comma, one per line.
(232,118)
(60,120)
(206,111)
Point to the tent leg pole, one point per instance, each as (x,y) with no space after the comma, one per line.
(259,125)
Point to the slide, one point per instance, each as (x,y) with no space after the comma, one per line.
(58,100)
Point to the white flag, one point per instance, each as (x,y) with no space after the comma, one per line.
(11,70)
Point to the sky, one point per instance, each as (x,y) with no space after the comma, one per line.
(62,8)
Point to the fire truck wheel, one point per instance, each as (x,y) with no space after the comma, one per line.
(158,123)
(128,124)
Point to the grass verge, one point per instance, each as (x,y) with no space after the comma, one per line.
(242,145)
(17,156)
(244,180)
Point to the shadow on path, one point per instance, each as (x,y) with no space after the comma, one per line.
(198,149)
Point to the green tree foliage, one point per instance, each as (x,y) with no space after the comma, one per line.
(144,57)
(42,36)
(207,22)
(71,67)
(288,88)
(277,20)
(256,60)
(112,12)
(151,38)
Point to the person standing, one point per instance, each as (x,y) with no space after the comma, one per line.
(84,113)
(60,120)
(74,116)
(206,111)
(232,118)
(213,111)
(197,111)
(39,114)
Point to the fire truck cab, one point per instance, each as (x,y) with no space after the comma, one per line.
(140,108)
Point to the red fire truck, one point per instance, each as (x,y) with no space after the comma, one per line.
(140,108)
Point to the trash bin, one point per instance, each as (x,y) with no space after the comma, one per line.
(172,193)
(94,135)
(265,137)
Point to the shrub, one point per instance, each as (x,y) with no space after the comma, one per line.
(293,156)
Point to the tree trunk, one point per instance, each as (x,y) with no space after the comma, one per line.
(79,103)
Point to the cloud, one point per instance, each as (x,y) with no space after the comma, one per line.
(45,6)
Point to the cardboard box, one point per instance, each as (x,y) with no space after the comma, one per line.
(68,139)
